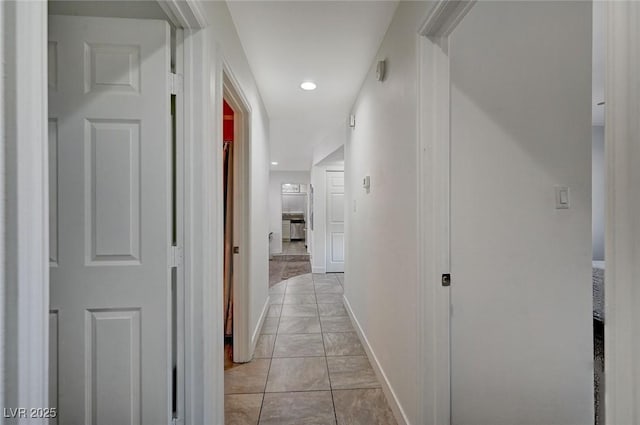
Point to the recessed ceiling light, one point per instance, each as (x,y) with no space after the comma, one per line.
(274,163)
(308,85)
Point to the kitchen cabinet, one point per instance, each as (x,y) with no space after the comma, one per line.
(294,203)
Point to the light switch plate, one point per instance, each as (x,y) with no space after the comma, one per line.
(366,183)
(562,197)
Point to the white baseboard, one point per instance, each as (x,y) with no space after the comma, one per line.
(318,270)
(256,331)
(396,408)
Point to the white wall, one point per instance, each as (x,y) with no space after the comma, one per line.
(381,243)
(226,49)
(276,178)
(598,200)
(521,269)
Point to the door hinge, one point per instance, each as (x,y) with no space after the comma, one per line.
(175,83)
(176,421)
(175,259)
(446,279)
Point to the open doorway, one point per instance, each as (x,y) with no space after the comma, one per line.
(290,225)
(598,202)
(234,119)
(227,184)
(294,218)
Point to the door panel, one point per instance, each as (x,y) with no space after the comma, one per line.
(521,325)
(335,221)
(109,98)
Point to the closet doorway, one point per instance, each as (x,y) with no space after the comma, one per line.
(235,222)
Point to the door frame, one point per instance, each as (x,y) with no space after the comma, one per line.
(242,346)
(433,218)
(24,213)
(622,225)
(24,247)
(622,131)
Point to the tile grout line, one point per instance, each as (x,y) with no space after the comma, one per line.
(264,393)
(326,359)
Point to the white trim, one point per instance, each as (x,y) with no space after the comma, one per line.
(444,17)
(3,202)
(622,132)
(25,260)
(242,341)
(180,136)
(392,399)
(318,270)
(184,13)
(433,164)
(204,357)
(256,331)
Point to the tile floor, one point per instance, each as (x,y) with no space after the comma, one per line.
(309,366)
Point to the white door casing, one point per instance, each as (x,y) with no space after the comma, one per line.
(110,285)
(335,221)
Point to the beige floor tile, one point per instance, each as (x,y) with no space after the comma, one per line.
(301,278)
(300,299)
(327,277)
(270,326)
(300,288)
(304,408)
(328,288)
(278,288)
(299,310)
(242,409)
(264,346)
(342,344)
(362,407)
(246,378)
(276,298)
(300,374)
(274,311)
(332,310)
(324,298)
(351,372)
(299,325)
(299,345)
(336,324)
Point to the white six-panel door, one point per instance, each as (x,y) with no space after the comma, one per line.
(110,223)
(335,221)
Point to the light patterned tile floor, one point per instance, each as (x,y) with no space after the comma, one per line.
(309,367)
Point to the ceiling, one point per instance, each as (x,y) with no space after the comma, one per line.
(332,43)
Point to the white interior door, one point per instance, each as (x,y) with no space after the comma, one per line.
(521,325)
(110,277)
(335,221)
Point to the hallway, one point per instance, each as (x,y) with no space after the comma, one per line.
(309,365)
